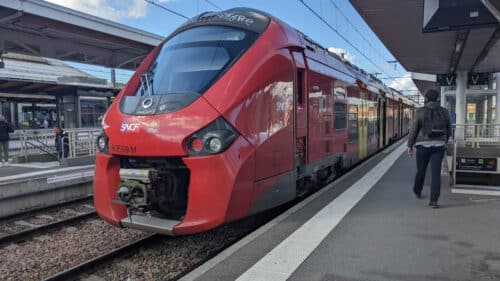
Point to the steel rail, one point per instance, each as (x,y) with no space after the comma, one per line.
(28,233)
(72,272)
(27,213)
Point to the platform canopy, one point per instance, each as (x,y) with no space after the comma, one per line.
(446,49)
(39,28)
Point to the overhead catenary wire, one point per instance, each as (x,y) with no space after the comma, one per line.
(344,38)
(154,3)
(213,4)
(359,32)
(370,60)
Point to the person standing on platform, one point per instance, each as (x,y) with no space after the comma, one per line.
(5,129)
(429,133)
(61,142)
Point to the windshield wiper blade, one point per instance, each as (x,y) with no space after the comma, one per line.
(147,84)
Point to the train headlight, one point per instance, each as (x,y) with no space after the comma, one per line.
(102,143)
(214,138)
(215,144)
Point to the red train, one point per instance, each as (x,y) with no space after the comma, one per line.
(234,113)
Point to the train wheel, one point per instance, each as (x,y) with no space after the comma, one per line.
(339,168)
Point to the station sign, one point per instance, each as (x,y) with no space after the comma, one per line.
(477,164)
(446,15)
(482,78)
(449,79)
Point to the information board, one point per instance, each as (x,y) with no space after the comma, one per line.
(477,164)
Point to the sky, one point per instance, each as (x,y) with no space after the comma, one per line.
(334,24)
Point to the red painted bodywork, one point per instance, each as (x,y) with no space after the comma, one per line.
(256,96)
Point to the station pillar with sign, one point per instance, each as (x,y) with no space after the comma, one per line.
(460,105)
(497,105)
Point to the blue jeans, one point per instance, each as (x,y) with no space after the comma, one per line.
(4,150)
(60,154)
(424,156)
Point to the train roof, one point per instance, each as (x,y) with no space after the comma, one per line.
(244,18)
(258,21)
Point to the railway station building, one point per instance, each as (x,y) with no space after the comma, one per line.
(39,93)
(37,38)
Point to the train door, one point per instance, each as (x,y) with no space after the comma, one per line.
(396,121)
(381,123)
(401,119)
(389,119)
(300,112)
(363,125)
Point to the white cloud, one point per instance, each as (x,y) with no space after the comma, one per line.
(403,83)
(339,51)
(115,10)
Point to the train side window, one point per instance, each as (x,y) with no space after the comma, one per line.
(300,86)
(353,124)
(340,113)
(340,93)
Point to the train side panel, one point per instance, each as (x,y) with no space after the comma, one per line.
(327,118)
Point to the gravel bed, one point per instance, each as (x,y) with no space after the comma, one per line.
(170,257)
(166,258)
(49,254)
(11,228)
(45,217)
(39,220)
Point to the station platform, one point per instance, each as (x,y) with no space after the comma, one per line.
(368,226)
(16,172)
(28,186)
(19,169)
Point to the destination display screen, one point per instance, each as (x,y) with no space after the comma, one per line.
(477,164)
(243,18)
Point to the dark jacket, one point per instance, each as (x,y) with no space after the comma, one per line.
(416,132)
(62,141)
(5,129)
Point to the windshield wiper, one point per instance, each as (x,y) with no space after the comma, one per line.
(146,84)
(147,80)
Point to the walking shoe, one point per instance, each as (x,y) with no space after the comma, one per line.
(434,205)
(418,195)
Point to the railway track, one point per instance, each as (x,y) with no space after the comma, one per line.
(88,250)
(130,254)
(22,226)
(107,257)
(142,249)
(28,213)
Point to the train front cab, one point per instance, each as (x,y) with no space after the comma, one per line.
(254,97)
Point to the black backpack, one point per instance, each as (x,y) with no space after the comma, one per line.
(435,123)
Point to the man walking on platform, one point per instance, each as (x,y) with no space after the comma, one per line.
(430,131)
(5,129)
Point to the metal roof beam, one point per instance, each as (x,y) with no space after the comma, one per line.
(52,48)
(486,49)
(11,17)
(459,49)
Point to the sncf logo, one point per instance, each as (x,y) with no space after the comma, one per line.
(129,127)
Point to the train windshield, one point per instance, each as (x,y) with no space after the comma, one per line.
(192,60)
